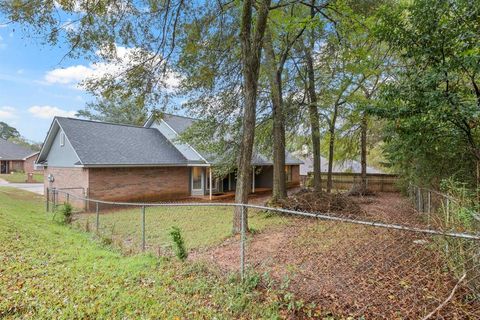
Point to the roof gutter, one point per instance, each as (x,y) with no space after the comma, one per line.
(145,165)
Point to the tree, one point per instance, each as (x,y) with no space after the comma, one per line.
(138,38)
(433,104)
(115,110)
(288,27)
(252,44)
(7,132)
(313,107)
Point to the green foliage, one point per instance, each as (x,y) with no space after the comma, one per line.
(433,101)
(202,227)
(20,177)
(463,206)
(7,132)
(34,146)
(178,244)
(11,134)
(67,211)
(88,273)
(116,110)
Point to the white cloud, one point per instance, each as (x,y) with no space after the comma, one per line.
(74,75)
(48,112)
(69,75)
(7,112)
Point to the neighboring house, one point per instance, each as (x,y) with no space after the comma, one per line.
(118,162)
(15,158)
(348,166)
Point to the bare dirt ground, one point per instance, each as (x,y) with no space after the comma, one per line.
(350,270)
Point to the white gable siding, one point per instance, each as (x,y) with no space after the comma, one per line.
(61,156)
(186,150)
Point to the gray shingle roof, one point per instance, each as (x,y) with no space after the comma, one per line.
(12,151)
(180,124)
(101,143)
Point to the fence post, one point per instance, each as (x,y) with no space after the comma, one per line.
(97,216)
(242,243)
(418,199)
(55,196)
(47,198)
(143,228)
(68,197)
(429,202)
(85,195)
(448,211)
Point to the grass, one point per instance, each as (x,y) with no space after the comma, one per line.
(52,271)
(201,227)
(20,177)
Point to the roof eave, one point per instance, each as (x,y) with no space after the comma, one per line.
(143,165)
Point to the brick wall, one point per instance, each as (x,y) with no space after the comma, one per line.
(295,176)
(29,164)
(68,178)
(15,166)
(139,184)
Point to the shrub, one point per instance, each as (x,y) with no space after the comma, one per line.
(178,243)
(67,211)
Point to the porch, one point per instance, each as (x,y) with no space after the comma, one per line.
(204,185)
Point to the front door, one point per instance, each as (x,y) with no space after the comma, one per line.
(197,181)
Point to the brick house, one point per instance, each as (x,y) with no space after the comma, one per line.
(118,162)
(16,158)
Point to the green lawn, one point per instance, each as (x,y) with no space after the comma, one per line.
(201,226)
(19,177)
(51,271)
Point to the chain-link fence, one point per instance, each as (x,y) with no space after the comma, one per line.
(386,261)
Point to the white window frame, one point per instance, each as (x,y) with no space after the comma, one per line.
(62,139)
(202,182)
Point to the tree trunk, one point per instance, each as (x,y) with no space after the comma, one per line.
(363,145)
(251,53)
(313,111)
(275,79)
(331,149)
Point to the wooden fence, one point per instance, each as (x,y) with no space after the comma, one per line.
(376,182)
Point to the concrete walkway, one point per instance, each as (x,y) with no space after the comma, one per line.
(32,187)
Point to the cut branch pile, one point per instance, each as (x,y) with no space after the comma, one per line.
(322,202)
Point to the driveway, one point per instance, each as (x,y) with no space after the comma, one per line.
(32,187)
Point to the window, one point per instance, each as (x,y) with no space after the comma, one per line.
(62,139)
(288,173)
(197,178)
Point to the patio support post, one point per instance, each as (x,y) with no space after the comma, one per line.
(253,179)
(210,178)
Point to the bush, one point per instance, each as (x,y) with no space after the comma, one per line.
(178,243)
(67,212)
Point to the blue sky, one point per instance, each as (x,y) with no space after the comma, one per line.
(35,84)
